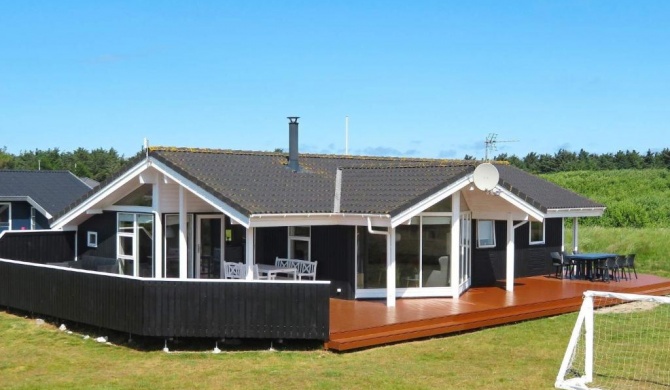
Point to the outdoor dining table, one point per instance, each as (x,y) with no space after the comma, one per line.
(585,262)
(272,270)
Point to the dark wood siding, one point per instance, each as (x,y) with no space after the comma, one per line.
(168,308)
(271,242)
(105,225)
(38,246)
(489,265)
(334,247)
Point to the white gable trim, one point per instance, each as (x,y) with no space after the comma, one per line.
(81,208)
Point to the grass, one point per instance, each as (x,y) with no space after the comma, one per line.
(524,355)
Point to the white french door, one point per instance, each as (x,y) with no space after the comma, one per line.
(465,252)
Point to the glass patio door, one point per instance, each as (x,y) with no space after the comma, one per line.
(209,246)
(171,255)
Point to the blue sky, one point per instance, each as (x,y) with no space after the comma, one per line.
(416,78)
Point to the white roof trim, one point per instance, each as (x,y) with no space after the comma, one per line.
(29,200)
(576,212)
(81,208)
(314,219)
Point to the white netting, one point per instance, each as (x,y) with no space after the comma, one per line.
(631,344)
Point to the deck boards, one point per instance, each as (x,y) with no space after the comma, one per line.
(366,323)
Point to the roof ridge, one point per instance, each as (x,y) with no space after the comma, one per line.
(36,170)
(446,164)
(317,155)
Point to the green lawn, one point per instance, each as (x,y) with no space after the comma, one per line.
(525,355)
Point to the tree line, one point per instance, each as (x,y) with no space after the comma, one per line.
(566,161)
(97,164)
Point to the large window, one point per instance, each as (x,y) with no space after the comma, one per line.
(5,216)
(171,256)
(299,242)
(135,243)
(536,232)
(486,233)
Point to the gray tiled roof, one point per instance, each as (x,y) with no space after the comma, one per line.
(541,193)
(260,182)
(52,190)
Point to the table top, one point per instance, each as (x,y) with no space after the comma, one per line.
(591,256)
(274,268)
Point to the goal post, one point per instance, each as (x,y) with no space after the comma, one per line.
(619,341)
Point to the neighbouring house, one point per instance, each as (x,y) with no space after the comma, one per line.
(28,199)
(378,227)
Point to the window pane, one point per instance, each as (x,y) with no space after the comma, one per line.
(536,231)
(407,255)
(4,216)
(436,249)
(299,231)
(485,233)
(442,206)
(126,222)
(371,259)
(299,249)
(125,246)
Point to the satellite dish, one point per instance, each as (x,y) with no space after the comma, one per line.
(486,176)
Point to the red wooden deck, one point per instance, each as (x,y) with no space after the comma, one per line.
(359,324)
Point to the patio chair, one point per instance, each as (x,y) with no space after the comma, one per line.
(439,278)
(307,270)
(620,265)
(605,269)
(234,270)
(630,264)
(562,266)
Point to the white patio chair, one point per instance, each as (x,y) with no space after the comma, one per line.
(234,270)
(307,270)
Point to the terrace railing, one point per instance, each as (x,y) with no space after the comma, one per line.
(169,307)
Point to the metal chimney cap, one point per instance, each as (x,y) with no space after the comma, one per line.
(292,119)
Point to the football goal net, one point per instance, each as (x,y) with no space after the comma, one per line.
(620,341)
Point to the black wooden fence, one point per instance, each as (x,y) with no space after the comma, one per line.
(169,308)
(37,246)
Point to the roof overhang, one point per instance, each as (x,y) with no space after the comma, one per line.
(576,212)
(318,219)
(28,199)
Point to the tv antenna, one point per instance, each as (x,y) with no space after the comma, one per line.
(491,144)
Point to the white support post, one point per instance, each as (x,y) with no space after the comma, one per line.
(575,234)
(562,234)
(249,253)
(509,281)
(158,230)
(183,231)
(456,250)
(390,268)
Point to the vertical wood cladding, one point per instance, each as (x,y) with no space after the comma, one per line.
(38,246)
(334,249)
(489,264)
(168,308)
(105,225)
(271,242)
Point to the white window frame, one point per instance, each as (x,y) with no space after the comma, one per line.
(293,237)
(92,239)
(33,213)
(493,233)
(530,233)
(9,214)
